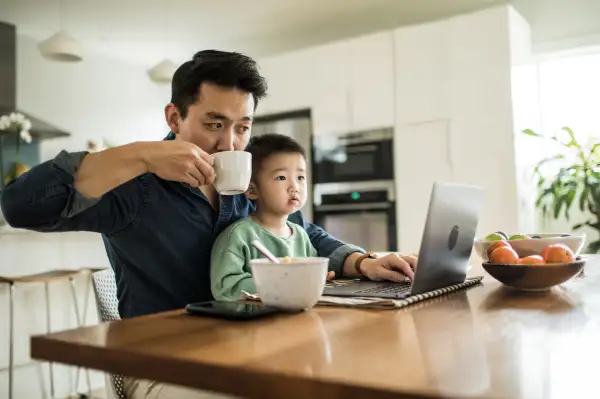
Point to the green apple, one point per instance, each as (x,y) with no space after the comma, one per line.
(519,237)
(494,237)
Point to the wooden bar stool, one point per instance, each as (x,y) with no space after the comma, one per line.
(41,278)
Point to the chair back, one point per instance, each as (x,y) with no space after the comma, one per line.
(105,290)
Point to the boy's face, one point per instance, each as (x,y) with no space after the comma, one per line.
(280,185)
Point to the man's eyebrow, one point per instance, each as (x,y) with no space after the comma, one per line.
(219,116)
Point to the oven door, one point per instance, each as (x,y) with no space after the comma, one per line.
(359,213)
(369,226)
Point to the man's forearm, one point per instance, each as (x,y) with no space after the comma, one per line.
(103,171)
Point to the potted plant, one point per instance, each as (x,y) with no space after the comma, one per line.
(20,125)
(577,181)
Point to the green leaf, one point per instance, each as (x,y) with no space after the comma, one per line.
(569,197)
(541,181)
(531,133)
(573,142)
(583,198)
(594,247)
(558,203)
(549,159)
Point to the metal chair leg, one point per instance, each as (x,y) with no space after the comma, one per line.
(11,327)
(51,375)
(79,324)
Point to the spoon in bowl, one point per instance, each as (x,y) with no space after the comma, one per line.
(258,245)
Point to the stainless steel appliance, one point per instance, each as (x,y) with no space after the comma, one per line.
(359,213)
(353,157)
(296,125)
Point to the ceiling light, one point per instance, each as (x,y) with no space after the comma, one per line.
(163,71)
(61,47)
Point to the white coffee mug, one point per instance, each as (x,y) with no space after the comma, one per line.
(233,170)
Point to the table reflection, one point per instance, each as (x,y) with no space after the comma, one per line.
(453,352)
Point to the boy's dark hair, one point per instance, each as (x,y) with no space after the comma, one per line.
(227,69)
(263,146)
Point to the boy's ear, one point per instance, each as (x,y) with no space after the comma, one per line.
(252,192)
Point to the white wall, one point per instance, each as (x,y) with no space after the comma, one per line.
(454,117)
(100,98)
(95,99)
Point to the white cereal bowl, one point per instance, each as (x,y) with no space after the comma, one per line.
(535,246)
(292,286)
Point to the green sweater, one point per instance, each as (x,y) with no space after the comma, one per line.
(230,271)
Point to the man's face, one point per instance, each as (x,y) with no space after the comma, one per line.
(220,120)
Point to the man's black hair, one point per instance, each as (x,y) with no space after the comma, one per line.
(263,146)
(226,69)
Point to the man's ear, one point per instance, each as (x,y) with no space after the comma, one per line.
(252,192)
(172,117)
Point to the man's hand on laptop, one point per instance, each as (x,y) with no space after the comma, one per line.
(392,267)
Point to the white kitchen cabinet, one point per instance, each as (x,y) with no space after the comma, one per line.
(329,79)
(348,84)
(290,87)
(371,62)
(422,72)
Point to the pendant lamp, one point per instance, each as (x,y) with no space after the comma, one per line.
(61,47)
(163,71)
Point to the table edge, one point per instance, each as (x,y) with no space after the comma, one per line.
(248,382)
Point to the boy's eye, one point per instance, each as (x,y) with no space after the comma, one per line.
(280,178)
(301,178)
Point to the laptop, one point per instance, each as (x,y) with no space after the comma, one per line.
(446,247)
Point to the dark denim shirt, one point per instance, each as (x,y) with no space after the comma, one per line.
(158,234)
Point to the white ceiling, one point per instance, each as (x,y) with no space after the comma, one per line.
(146,31)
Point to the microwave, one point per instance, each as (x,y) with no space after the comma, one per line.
(362,156)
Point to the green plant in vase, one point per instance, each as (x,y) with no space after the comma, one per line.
(576,182)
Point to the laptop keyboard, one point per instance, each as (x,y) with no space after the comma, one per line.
(393,288)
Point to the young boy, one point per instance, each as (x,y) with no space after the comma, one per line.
(278,188)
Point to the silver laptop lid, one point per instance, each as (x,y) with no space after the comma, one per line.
(448,236)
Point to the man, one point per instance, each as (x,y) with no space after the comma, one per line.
(154,203)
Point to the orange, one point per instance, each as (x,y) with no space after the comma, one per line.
(504,256)
(497,244)
(532,260)
(558,253)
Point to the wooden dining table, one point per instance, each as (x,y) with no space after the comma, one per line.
(488,341)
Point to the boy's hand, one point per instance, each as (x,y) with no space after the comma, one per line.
(330,275)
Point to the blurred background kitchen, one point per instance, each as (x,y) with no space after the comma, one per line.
(388,95)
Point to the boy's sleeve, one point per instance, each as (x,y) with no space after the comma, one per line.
(310,250)
(228,277)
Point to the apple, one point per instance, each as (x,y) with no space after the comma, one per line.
(519,237)
(494,237)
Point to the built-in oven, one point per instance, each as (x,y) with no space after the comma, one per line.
(359,213)
(362,156)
